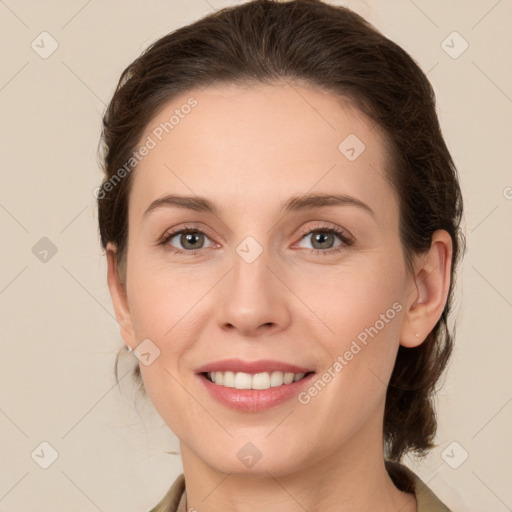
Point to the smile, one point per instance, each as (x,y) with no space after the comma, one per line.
(263,380)
(275,388)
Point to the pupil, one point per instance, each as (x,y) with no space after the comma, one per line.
(321,237)
(189,237)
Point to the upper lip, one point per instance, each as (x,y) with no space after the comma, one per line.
(262,365)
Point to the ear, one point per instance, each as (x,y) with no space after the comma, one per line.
(427,300)
(119,297)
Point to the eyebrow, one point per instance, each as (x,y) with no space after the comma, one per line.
(293,204)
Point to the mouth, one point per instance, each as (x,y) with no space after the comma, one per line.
(255,381)
(253,386)
(257,392)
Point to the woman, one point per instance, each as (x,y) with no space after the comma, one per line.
(281,218)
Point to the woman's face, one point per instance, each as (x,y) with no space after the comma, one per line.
(263,278)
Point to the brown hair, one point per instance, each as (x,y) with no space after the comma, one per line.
(332,48)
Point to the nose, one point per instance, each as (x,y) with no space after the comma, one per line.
(253,299)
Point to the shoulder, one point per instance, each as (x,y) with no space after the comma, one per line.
(173,498)
(406,480)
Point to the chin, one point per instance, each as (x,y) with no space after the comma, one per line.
(255,458)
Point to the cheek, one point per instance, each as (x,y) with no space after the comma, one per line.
(164,306)
(356,297)
(169,305)
(361,309)
(161,300)
(359,360)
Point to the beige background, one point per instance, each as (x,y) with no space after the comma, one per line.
(59,336)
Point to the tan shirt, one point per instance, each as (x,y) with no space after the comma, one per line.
(176,497)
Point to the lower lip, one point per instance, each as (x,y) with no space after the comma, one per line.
(254,399)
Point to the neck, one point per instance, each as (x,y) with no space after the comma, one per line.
(353,478)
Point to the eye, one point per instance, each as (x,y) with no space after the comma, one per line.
(189,240)
(323,238)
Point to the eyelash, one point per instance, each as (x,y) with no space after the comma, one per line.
(346,239)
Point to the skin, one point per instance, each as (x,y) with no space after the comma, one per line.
(248,149)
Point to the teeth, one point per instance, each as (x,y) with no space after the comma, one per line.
(264,380)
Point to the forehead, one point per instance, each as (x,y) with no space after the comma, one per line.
(246,144)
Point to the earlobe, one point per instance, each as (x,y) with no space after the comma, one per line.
(430,292)
(119,297)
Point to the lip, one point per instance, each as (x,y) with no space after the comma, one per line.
(262,365)
(254,400)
